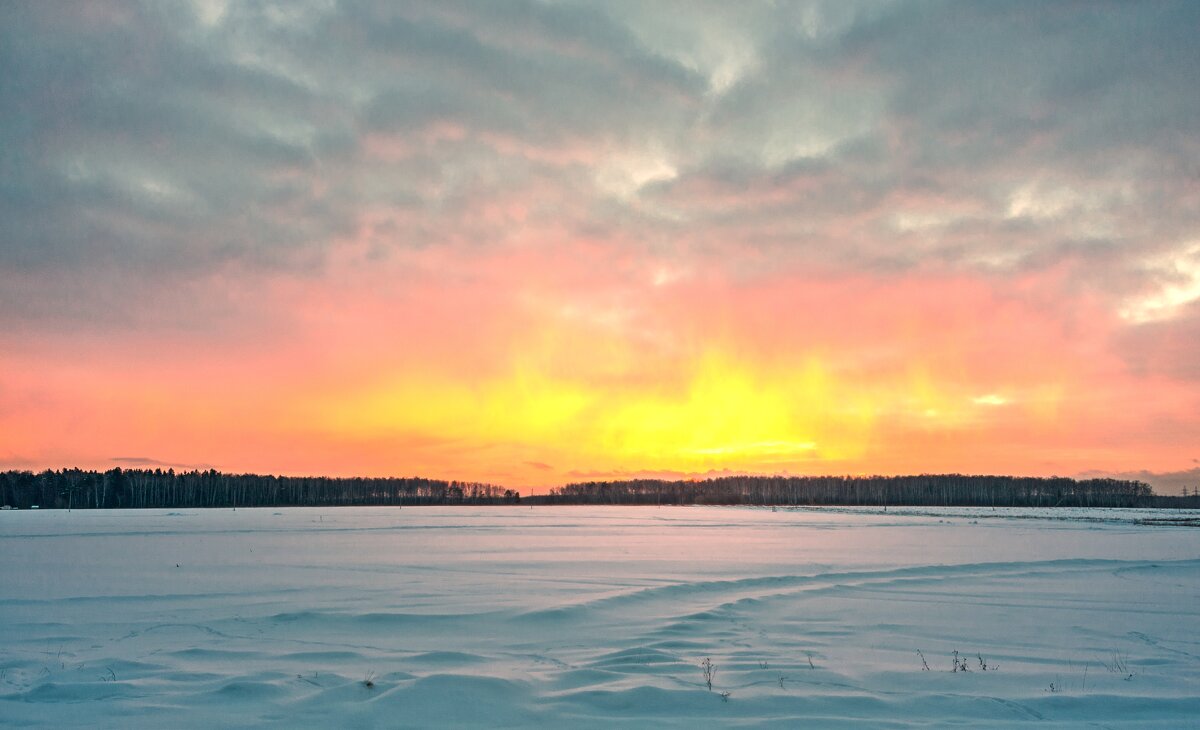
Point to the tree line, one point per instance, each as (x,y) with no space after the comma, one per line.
(144,488)
(139,488)
(920,490)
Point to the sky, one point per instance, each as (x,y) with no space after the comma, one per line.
(532,242)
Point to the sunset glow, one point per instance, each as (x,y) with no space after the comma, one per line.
(548,242)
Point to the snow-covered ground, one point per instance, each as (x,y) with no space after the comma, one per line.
(597,616)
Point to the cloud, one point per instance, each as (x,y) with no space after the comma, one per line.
(1168,347)
(991,399)
(1167,482)
(155,141)
(142,461)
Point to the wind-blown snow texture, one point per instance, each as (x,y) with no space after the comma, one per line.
(581,616)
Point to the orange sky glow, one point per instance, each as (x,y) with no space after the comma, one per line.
(533,368)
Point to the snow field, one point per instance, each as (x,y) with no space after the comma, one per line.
(597,616)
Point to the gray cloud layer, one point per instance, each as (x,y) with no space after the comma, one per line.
(1171,483)
(164,142)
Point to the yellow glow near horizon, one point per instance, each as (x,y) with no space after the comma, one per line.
(730,414)
(719,414)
